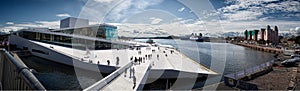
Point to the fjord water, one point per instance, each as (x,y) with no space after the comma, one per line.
(224,58)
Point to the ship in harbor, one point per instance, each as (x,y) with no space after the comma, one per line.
(194,37)
(97,48)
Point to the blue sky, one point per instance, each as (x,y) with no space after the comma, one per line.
(155,17)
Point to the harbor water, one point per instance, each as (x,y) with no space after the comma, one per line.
(222,57)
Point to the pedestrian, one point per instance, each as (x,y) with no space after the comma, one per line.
(98,62)
(108,62)
(125,72)
(146,57)
(157,57)
(133,72)
(134,82)
(135,60)
(117,62)
(140,60)
(130,72)
(149,56)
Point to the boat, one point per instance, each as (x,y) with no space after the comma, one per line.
(194,37)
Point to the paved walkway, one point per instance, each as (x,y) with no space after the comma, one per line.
(131,78)
(162,58)
(177,61)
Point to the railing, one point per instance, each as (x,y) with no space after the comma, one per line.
(105,81)
(144,79)
(236,79)
(250,71)
(15,75)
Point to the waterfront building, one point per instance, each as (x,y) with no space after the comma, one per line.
(254,34)
(246,34)
(250,35)
(266,35)
(72,22)
(105,31)
(79,26)
(261,34)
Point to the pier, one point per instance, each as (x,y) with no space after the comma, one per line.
(261,48)
(264,77)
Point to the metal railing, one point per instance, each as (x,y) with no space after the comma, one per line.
(250,71)
(15,75)
(105,81)
(237,79)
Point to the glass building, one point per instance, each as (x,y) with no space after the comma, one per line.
(104,31)
(73,41)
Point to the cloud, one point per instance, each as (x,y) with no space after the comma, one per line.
(255,9)
(104,1)
(181,9)
(243,15)
(40,24)
(155,20)
(63,15)
(10,23)
(128,8)
(211,28)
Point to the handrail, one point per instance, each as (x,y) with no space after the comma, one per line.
(141,86)
(1,86)
(103,82)
(250,71)
(24,72)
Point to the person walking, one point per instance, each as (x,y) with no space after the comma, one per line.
(108,62)
(134,82)
(130,72)
(133,71)
(131,58)
(135,60)
(117,62)
(140,58)
(125,72)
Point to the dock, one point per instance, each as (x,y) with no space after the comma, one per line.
(261,48)
(265,77)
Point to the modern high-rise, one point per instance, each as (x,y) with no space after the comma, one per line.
(264,34)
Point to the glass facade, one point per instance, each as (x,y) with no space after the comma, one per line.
(68,41)
(105,31)
(111,32)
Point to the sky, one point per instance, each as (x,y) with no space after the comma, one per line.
(156,17)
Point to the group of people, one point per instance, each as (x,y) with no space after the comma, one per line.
(108,61)
(140,60)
